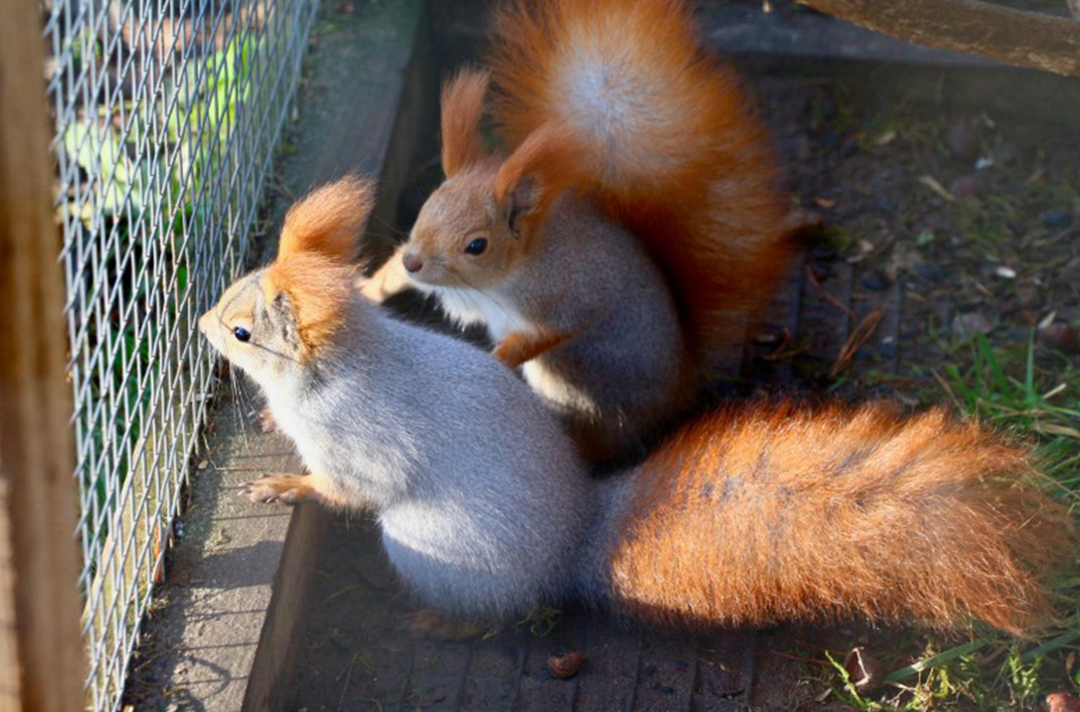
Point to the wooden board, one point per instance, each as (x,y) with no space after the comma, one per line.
(41,649)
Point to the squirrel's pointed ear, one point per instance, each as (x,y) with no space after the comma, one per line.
(309,297)
(328,220)
(462,110)
(521,203)
(541,168)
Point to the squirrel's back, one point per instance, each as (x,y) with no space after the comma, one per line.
(765,513)
(662,133)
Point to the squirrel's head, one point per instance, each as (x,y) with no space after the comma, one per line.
(485,217)
(273,322)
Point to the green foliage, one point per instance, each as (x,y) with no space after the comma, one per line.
(1035,397)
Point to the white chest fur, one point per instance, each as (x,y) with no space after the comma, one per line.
(470,306)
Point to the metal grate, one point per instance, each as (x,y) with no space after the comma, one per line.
(167,113)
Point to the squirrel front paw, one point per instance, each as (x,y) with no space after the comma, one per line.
(283,489)
(266,421)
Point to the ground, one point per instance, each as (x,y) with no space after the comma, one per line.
(947,262)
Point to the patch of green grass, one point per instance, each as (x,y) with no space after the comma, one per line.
(1033,396)
(987,220)
(541,621)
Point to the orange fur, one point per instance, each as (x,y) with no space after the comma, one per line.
(548,158)
(462,109)
(520,347)
(674,151)
(297,489)
(320,292)
(328,220)
(778,512)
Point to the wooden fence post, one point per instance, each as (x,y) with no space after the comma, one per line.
(42,656)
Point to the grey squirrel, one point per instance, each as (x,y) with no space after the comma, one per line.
(750,514)
(634,221)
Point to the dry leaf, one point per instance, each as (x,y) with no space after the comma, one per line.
(932,183)
(863,669)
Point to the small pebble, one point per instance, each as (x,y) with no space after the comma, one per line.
(927,271)
(1070,274)
(1029,296)
(968,186)
(566,666)
(971,323)
(1057,219)
(1005,272)
(1060,336)
(876,280)
(766,338)
(962,138)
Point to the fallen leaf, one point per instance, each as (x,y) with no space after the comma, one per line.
(863,669)
(826,203)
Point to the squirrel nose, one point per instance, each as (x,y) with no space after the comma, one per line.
(412,261)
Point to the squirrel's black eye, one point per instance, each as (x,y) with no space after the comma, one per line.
(476,247)
(241,333)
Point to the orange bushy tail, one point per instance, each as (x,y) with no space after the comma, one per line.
(775,512)
(660,131)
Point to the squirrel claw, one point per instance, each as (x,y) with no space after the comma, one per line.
(280,489)
(266,421)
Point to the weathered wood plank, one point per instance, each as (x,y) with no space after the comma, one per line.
(41,564)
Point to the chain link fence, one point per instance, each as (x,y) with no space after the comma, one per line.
(167,114)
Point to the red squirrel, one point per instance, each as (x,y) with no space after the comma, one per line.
(636,216)
(749,515)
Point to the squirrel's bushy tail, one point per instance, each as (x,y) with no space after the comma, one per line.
(659,129)
(776,512)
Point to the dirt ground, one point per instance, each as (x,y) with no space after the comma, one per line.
(938,227)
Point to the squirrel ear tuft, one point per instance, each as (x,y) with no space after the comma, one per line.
(462,110)
(542,167)
(311,296)
(328,220)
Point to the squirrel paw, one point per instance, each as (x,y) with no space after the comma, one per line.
(266,421)
(283,489)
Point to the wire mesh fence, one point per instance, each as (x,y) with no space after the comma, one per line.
(167,113)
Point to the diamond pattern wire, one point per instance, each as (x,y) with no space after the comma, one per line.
(167,114)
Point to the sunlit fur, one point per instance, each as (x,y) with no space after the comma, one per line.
(329,220)
(753,514)
(320,292)
(661,131)
(769,512)
(461,210)
(463,107)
